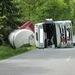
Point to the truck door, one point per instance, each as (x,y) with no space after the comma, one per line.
(69,34)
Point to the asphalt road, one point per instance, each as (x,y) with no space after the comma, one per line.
(41,62)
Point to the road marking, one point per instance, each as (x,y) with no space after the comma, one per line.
(68,59)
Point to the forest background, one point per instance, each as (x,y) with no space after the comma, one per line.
(15,12)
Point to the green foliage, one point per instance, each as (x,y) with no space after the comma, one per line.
(9,17)
(74,30)
(14,12)
(38,10)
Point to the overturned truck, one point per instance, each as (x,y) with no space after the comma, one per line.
(54,33)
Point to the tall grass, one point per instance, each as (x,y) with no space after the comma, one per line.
(7,51)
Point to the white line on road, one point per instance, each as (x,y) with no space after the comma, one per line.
(68,59)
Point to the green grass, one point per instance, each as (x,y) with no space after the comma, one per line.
(74,30)
(7,51)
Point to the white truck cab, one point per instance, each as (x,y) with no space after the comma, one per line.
(39,35)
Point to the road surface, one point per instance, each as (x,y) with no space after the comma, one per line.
(41,62)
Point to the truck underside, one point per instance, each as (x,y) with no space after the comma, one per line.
(49,29)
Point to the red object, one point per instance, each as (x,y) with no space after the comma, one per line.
(63,39)
(27,25)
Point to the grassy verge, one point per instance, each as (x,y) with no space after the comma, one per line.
(74,30)
(7,51)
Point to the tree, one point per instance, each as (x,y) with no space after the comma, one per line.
(9,17)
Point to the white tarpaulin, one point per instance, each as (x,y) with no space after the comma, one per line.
(21,37)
